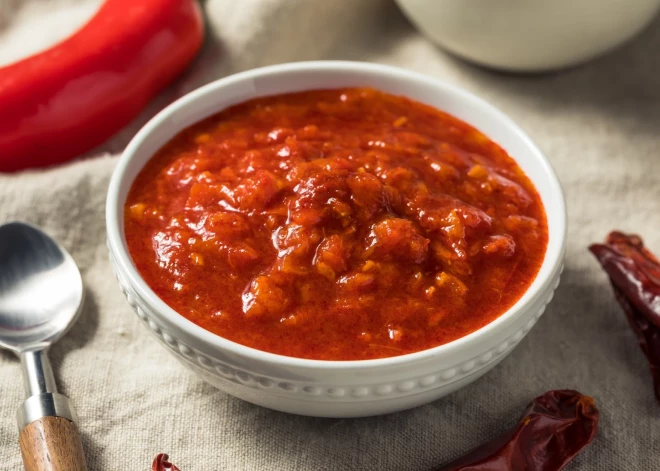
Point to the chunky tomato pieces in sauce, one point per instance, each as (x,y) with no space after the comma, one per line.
(340,224)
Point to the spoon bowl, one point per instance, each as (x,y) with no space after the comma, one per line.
(41,289)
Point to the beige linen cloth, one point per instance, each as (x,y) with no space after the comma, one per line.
(599,124)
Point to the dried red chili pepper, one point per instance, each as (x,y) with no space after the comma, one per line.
(555,428)
(161,464)
(635,276)
(65,100)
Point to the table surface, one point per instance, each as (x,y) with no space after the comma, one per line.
(599,124)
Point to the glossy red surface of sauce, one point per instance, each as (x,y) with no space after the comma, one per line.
(340,224)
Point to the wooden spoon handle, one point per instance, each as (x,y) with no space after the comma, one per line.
(52,444)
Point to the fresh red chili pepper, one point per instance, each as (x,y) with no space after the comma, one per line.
(64,101)
(635,276)
(161,464)
(555,428)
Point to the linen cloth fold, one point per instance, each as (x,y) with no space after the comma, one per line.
(599,124)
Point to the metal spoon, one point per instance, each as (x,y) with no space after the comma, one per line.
(40,297)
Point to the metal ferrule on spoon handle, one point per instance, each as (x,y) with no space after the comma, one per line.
(43,400)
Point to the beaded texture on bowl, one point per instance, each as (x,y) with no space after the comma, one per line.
(235,375)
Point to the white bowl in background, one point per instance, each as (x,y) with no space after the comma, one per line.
(529,35)
(335,388)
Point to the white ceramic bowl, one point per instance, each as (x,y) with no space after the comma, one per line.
(335,388)
(529,35)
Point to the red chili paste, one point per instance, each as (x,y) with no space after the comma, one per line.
(340,224)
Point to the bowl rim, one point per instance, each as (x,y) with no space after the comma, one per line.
(119,252)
